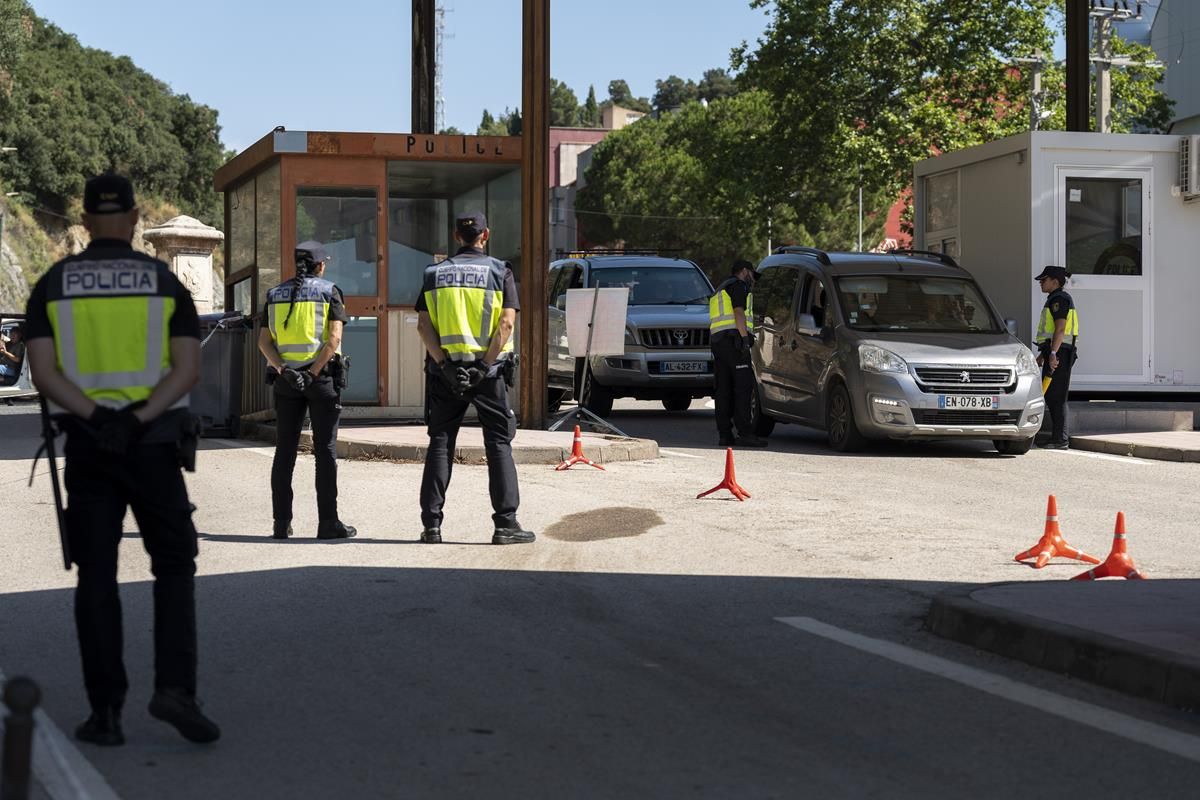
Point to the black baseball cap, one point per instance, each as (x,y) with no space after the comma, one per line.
(471,223)
(742,264)
(108,194)
(311,250)
(1059,273)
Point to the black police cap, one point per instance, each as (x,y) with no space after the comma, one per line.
(1058,273)
(471,224)
(108,194)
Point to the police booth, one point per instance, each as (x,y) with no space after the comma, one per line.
(384,206)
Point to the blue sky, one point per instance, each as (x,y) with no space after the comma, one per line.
(345,65)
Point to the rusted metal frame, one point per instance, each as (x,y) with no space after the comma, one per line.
(424,65)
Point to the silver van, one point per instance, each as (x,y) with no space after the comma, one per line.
(666,357)
(900,345)
(15,382)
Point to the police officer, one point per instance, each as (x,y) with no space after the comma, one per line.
(114,345)
(1057,337)
(731,336)
(301,338)
(467,309)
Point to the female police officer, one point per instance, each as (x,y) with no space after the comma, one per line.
(301,338)
(1057,336)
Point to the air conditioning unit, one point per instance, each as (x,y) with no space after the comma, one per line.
(1189,167)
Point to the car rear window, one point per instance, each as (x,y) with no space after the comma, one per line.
(650,286)
(915,303)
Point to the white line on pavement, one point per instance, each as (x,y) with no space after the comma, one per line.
(677,453)
(1102,456)
(233,444)
(1136,730)
(59,767)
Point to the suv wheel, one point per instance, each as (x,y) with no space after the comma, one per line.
(762,422)
(1013,447)
(599,400)
(677,402)
(839,422)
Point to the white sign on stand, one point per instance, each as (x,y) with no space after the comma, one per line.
(607,323)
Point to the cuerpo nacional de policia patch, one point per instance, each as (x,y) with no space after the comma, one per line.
(100,278)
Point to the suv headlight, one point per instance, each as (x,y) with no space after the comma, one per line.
(1026,363)
(629,337)
(876,359)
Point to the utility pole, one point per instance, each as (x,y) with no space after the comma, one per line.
(1104,59)
(424,66)
(1077,65)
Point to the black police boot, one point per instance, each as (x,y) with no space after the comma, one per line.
(750,441)
(102,728)
(283,529)
(1056,444)
(180,710)
(335,530)
(431,536)
(512,536)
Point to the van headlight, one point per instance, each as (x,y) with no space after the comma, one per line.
(629,337)
(876,359)
(1026,363)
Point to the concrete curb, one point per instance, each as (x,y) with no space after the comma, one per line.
(1136,669)
(617,449)
(1097,444)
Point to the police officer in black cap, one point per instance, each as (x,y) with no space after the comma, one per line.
(301,338)
(731,337)
(114,346)
(466,314)
(1057,342)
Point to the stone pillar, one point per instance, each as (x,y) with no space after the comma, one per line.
(187,245)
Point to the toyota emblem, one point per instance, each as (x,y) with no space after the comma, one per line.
(681,336)
(964,377)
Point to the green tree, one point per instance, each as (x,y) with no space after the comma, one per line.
(672,93)
(14,38)
(564,105)
(620,94)
(589,113)
(716,84)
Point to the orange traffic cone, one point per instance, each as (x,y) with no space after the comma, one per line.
(1052,543)
(729,481)
(577,456)
(1118,564)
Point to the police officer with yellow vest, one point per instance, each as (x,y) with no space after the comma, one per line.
(114,345)
(1057,339)
(301,338)
(466,313)
(731,336)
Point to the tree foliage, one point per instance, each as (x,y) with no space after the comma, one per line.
(564,105)
(74,112)
(507,124)
(619,94)
(673,92)
(589,113)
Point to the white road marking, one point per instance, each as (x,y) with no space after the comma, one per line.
(1170,741)
(1101,456)
(665,451)
(59,767)
(233,444)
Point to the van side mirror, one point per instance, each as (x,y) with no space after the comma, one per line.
(560,302)
(1011,324)
(806,323)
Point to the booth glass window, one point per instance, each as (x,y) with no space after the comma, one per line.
(418,230)
(504,219)
(267,239)
(241,227)
(360,342)
(941,202)
(242,300)
(345,221)
(1104,226)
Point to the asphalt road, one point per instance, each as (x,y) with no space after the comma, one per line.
(637,649)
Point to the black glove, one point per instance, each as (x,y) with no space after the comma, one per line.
(454,375)
(476,374)
(116,431)
(298,379)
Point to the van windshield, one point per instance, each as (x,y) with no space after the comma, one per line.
(650,286)
(915,303)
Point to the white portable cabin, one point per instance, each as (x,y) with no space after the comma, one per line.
(1121,212)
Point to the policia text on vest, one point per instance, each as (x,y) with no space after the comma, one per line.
(1057,343)
(301,338)
(114,346)
(731,336)
(467,310)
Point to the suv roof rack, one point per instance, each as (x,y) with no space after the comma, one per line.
(942,257)
(621,251)
(815,252)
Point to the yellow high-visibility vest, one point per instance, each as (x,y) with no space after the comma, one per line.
(111,322)
(720,310)
(298,318)
(464,296)
(1046,326)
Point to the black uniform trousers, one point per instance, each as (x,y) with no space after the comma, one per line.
(100,487)
(1056,394)
(444,412)
(734,382)
(323,404)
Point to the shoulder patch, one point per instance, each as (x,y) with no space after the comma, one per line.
(1055,306)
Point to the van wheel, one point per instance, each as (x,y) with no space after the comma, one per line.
(762,422)
(1013,447)
(677,402)
(839,422)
